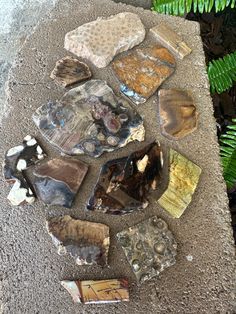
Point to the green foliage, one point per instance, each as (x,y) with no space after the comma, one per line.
(228,155)
(180,7)
(222,73)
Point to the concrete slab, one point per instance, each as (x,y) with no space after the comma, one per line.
(202,281)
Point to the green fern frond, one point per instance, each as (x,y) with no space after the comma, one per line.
(222,73)
(228,155)
(180,7)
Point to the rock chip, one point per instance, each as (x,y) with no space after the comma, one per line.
(57,181)
(87,242)
(100,40)
(142,71)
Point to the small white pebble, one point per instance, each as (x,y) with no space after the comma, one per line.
(31,142)
(15,150)
(189,258)
(27,138)
(39,150)
(21,165)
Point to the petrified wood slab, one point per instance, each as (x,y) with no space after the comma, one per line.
(178,114)
(142,71)
(100,40)
(18,159)
(149,247)
(57,181)
(171,40)
(69,71)
(183,180)
(89,119)
(97,291)
(87,242)
(124,183)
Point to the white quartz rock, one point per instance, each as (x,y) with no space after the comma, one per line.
(99,41)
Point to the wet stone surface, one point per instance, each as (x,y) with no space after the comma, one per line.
(149,247)
(124,183)
(57,181)
(100,40)
(87,242)
(142,71)
(89,119)
(97,291)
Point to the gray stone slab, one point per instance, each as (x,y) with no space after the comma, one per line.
(202,280)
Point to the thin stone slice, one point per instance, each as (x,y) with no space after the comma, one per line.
(89,119)
(97,291)
(183,180)
(100,40)
(57,181)
(69,71)
(142,71)
(171,40)
(149,247)
(17,160)
(178,114)
(124,183)
(87,242)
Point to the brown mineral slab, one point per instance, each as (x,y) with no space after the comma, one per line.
(87,242)
(171,40)
(178,114)
(97,291)
(183,180)
(144,69)
(69,71)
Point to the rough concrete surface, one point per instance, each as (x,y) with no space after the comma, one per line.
(202,280)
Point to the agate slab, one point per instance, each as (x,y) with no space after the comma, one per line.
(97,291)
(69,71)
(124,183)
(57,181)
(171,40)
(142,71)
(183,180)
(149,247)
(178,114)
(100,40)
(89,119)
(87,242)
(18,159)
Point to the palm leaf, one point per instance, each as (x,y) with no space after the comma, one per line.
(222,73)
(180,7)
(228,155)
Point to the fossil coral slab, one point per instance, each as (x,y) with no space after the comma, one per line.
(171,40)
(57,181)
(87,242)
(142,71)
(69,71)
(149,247)
(97,291)
(102,39)
(124,183)
(89,119)
(178,114)
(183,180)
(18,159)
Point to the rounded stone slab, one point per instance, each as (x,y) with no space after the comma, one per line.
(100,40)
(89,119)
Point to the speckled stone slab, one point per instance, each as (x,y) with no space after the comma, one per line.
(100,40)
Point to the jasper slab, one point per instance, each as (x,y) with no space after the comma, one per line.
(124,183)
(57,181)
(89,119)
(18,159)
(149,247)
(87,242)
(142,71)
(178,114)
(69,71)
(100,40)
(171,40)
(183,180)
(97,291)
